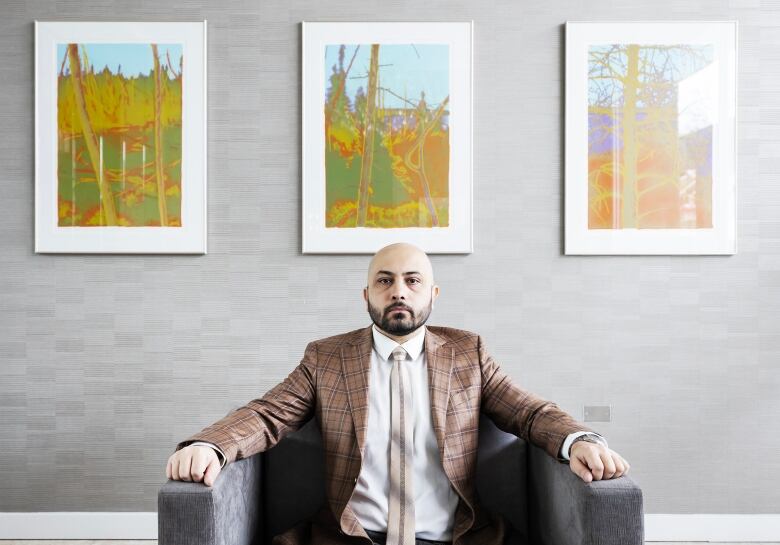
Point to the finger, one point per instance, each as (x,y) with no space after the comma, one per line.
(175,468)
(595,464)
(184,467)
(168,469)
(620,468)
(580,469)
(212,471)
(609,464)
(198,467)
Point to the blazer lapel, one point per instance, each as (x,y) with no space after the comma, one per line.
(440,360)
(356,364)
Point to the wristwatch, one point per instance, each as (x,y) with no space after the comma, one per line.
(590,438)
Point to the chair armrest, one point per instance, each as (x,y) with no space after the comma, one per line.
(565,510)
(229,513)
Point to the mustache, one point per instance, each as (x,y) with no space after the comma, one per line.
(398,307)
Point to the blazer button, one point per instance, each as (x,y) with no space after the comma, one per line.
(355,480)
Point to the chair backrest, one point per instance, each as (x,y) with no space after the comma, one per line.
(502,461)
(293,480)
(294,477)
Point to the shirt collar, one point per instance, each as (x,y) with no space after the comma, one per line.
(384,345)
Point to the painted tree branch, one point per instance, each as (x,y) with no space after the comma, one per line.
(158,144)
(106,197)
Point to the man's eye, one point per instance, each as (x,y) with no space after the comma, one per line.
(383,280)
(414,280)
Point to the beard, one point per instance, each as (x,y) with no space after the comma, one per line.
(399,323)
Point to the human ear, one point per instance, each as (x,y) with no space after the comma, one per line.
(434,294)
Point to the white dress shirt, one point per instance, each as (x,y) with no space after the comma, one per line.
(434,498)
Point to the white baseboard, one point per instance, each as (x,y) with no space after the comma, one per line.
(124,525)
(78,525)
(717,528)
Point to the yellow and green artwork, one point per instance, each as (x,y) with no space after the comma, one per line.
(387,145)
(651,114)
(119,134)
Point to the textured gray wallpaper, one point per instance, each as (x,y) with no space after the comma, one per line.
(107,361)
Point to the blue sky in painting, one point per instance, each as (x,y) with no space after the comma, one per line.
(406,70)
(134,59)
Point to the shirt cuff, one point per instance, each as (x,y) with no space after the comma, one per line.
(220,454)
(570,439)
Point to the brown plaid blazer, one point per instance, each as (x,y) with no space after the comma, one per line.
(332,378)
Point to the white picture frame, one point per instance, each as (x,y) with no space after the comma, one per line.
(186,229)
(317,236)
(601,62)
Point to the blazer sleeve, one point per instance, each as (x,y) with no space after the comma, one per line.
(522,413)
(263,422)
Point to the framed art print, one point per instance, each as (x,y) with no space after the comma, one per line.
(120,137)
(387,136)
(651,138)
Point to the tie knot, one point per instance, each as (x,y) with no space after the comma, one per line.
(399,354)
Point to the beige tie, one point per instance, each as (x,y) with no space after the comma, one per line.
(400,517)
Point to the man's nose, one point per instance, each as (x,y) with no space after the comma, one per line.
(399,292)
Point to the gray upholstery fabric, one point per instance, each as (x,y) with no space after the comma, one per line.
(543,502)
(564,510)
(229,513)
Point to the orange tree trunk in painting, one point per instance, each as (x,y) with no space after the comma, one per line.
(368,140)
(158,154)
(418,167)
(631,83)
(106,197)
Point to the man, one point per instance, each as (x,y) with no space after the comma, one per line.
(398,407)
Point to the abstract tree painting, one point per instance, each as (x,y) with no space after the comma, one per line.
(387,135)
(119,134)
(651,114)
(120,137)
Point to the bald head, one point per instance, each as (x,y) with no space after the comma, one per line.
(400,290)
(401,258)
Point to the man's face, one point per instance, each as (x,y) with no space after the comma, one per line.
(400,290)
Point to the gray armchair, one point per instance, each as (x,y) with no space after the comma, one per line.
(540,497)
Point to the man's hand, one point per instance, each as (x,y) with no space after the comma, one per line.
(194,463)
(591,461)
